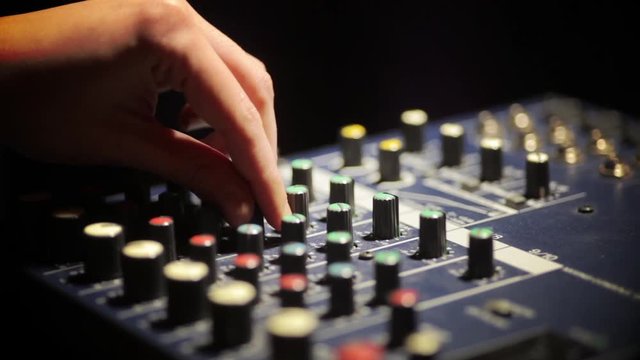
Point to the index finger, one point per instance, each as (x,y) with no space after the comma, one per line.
(216,95)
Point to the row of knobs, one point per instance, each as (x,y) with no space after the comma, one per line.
(452,142)
(185,282)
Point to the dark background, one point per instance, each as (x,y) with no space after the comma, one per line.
(335,62)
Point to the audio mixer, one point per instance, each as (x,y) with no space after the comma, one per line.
(504,234)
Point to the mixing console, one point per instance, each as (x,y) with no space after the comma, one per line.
(507,234)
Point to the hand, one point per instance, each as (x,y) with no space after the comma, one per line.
(80,84)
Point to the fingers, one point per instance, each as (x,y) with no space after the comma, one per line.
(250,73)
(214,92)
(190,121)
(187,161)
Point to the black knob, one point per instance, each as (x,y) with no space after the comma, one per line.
(66,243)
(340,277)
(480,263)
(302,174)
(292,289)
(339,218)
(351,140)
(537,170)
(161,229)
(142,264)
(250,238)
(387,269)
(452,138)
(403,315)
(389,158)
(433,231)
(293,258)
(298,199)
(290,332)
(386,221)
(341,190)
(490,159)
(293,228)
(338,247)
(186,291)
(103,246)
(231,307)
(247,268)
(203,248)
(413,125)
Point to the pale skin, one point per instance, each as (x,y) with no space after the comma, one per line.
(79,84)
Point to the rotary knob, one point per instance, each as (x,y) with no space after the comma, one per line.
(298,199)
(480,263)
(103,246)
(389,158)
(490,159)
(413,128)
(302,174)
(452,139)
(340,276)
(433,230)
(186,291)
(293,228)
(537,170)
(351,139)
(341,190)
(231,309)
(339,218)
(386,221)
(142,263)
(290,332)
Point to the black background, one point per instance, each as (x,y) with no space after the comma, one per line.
(335,62)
